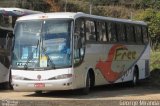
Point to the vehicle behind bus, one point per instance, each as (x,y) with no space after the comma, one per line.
(8,17)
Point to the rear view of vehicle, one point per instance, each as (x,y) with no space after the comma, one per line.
(8,17)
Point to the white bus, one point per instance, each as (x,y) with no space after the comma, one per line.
(65,51)
(8,18)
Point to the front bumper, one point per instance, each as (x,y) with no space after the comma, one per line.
(48,85)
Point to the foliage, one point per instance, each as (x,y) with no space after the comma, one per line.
(53,4)
(154,79)
(155,60)
(38,5)
(116,11)
(152,17)
(144,10)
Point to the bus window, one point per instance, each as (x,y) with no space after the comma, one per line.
(145,36)
(130,33)
(138,34)
(101,32)
(9,41)
(6,21)
(121,32)
(90,31)
(79,41)
(112,32)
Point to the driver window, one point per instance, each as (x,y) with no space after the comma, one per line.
(79,41)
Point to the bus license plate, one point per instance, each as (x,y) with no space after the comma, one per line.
(39,85)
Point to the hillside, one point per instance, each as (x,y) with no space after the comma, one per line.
(7,3)
(145,10)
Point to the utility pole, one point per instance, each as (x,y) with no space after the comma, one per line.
(15,3)
(90,6)
(131,15)
(65,8)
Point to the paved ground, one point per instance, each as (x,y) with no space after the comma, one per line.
(98,93)
(99,96)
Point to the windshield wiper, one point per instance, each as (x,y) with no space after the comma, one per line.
(30,56)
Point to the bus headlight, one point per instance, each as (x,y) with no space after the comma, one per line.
(17,77)
(63,76)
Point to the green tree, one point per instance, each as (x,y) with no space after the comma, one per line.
(152,17)
(39,5)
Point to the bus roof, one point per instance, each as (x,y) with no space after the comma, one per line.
(71,15)
(17,11)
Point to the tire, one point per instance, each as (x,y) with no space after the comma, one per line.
(3,86)
(10,82)
(86,90)
(135,79)
(38,92)
(7,85)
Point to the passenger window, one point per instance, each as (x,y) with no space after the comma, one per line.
(145,34)
(130,33)
(138,34)
(121,32)
(101,32)
(90,31)
(111,32)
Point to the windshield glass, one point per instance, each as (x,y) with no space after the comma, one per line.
(42,44)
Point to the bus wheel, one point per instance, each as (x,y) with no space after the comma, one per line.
(135,77)
(38,92)
(8,85)
(10,82)
(86,90)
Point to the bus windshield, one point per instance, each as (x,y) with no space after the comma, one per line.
(42,44)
